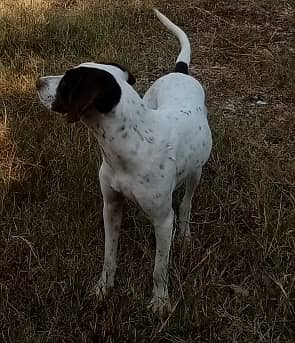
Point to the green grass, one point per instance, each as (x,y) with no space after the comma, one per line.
(235,282)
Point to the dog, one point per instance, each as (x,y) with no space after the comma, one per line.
(150,146)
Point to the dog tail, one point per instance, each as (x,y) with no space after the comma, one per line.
(184,57)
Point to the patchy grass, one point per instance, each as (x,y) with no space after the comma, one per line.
(235,282)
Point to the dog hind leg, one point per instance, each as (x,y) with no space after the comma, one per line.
(185,206)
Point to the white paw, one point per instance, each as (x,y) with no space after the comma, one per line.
(160,306)
(185,236)
(101,290)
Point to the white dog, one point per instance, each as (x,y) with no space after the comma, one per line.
(150,147)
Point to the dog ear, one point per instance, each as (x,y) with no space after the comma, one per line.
(131,78)
(84,88)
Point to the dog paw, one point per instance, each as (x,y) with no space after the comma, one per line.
(101,290)
(160,306)
(186,237)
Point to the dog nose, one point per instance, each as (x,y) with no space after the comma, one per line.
(39,83)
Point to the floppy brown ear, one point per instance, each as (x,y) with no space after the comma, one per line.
(83,88)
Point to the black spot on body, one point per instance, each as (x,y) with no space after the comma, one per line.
(185,112)
(162,166)
(147,179)
(149,139)
(138,132)
(125,135)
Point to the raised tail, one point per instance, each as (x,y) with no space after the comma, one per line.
(184,57)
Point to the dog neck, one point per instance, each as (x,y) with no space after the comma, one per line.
(122,131)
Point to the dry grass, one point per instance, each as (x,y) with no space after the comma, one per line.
(235,282)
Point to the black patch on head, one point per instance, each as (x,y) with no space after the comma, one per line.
(131,79)
(181,67)
(82,89)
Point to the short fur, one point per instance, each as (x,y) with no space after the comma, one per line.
(150,147)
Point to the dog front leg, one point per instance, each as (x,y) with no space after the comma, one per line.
(112,216)
(163,230)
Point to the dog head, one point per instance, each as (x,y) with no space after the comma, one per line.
(89,86)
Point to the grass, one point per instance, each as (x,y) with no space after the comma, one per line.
(235,282)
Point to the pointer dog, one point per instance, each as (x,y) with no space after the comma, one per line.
(150,146)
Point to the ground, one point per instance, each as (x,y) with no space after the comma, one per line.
(235,281)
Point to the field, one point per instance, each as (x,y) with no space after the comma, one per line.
(236,281)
